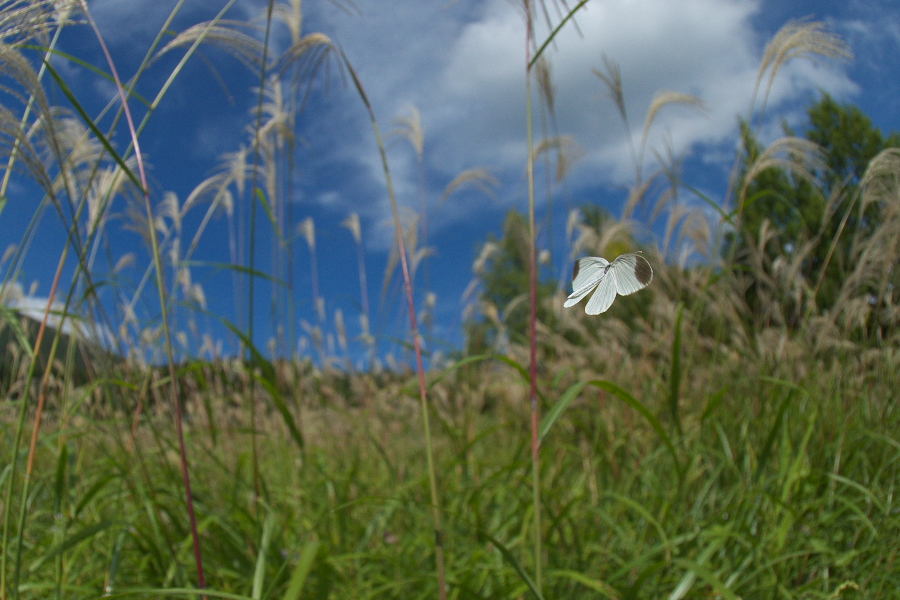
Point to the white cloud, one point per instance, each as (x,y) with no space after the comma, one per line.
(464,69)
(462,65)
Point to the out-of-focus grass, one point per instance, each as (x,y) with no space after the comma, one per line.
(787,490)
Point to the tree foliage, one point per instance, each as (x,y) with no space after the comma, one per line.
(504,280)
(813,221)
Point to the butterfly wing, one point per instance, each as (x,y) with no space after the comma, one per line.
(588,272)
(631,273)
(604,296)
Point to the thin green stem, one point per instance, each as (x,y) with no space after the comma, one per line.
(532,322)
(398,227)
(6,177)
(556,30)
(160,280)
(72,240)
(251,288)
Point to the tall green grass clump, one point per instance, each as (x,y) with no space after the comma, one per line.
(730,432)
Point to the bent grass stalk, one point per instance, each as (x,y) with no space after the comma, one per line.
(45,380)
(398,227)
(3,187)
(160,285)
(530,62)
(23,508)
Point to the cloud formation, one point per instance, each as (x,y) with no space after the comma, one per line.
(463,67)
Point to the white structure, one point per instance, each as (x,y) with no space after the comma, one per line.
(30,310)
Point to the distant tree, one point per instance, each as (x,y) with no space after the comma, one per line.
(504,281)
(594,216)
(849,139)
(504,277)
(825,210)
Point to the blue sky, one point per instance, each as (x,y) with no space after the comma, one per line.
(461,65)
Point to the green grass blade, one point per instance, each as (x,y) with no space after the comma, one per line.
(60,480)
(458,365)
(268,379)
(10,318)
(694,569)
(713,402)
(514,563)
(149,592)
(559,407)
(302,570)
(261,195)
(556,30)
(69,542)
(675,373)
(259,574)
(517,366)
(92,126)
(773,434)
(233,267)
(116,558)
(644,412)
(697,570)
(85,64)
(596,585)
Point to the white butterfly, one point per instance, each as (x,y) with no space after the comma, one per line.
(625,275)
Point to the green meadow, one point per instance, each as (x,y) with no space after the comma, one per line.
(731,431)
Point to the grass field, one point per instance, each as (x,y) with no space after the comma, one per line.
(718,435)
(781,485)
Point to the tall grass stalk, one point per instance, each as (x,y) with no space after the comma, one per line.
(162,296)
(353,225)
(797,39)
(38,414)
(530,62)
(23,507)
(251,288)
(420,370)
(35,350)
(532,296)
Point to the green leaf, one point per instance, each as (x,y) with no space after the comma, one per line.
(588,582)
(233,267)
(457,365)
(259,574)
(556,30)
(675,374)
(645,412)
(514,563)
(302,570)
(70,541)
(61,464)
(713,403)
(773,433)
(270,213)
(92,126)
(266,377)
(11,317)
(558,408)
(705,574)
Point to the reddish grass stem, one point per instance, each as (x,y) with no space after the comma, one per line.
(42,393)
(401,247)
(157,260)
